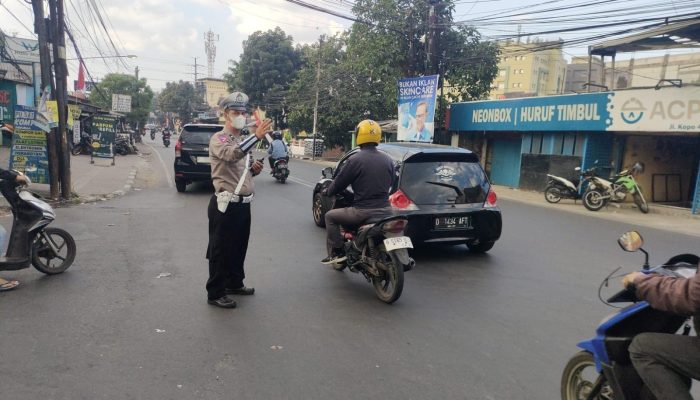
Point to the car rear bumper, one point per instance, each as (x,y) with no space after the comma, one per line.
(190,172)
(486,225)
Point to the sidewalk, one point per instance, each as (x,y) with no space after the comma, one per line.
(674,219)
(90,182)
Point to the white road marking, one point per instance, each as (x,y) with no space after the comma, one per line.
(165,168)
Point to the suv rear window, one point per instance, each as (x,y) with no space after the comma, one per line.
(444,179)
(198,134)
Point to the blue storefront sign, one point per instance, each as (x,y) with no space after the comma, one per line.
(583,112)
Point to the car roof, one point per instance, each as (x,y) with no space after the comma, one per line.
(203,126)
(403,150)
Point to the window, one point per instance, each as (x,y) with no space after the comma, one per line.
(501,85)
(569,144)
(536,144)
(522,71)
(502,72)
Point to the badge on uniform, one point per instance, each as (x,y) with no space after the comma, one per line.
(223,139)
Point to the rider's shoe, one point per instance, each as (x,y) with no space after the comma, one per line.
(336,257)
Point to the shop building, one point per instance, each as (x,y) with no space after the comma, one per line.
(520,141)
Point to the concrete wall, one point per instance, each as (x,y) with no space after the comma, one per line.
(664,155)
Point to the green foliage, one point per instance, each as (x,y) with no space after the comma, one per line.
(181,98)
(360,68)
(267,66)
(141,95)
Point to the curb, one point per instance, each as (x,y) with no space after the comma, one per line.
(128,185)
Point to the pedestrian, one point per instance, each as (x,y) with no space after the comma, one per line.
(232,171)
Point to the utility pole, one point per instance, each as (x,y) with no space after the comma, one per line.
(318,77)
(46,84)
(61,94)
(136,72)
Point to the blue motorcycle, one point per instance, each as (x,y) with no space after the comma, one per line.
(603,370)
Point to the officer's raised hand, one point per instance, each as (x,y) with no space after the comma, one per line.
(263,128)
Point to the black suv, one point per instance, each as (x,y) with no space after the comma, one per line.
(192,154)
(442,190)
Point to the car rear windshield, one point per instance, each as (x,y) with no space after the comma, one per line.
(198,134)
(444,179)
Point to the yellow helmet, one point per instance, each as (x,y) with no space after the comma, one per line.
(368,131)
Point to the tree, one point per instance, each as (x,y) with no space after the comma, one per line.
(141,96)
(266,67)
(181,98)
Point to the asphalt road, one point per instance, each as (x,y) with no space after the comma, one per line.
(114,326)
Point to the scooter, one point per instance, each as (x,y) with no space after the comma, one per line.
(561,188)
(280,171)
(603,370)
(166,138)
(601,191)
(84,147)
(153,134)
(49,250)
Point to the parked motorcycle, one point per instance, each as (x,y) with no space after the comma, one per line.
(603,369)
(84,147)
(49,250)
(561,188)
(601,191)
(280,170)
(122,145)
(377,250)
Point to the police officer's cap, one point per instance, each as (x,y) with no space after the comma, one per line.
(235,101)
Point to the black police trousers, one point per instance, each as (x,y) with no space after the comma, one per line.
(228,244)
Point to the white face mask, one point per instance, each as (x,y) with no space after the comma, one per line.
(238,122)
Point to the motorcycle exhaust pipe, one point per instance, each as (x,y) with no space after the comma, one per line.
(410,265)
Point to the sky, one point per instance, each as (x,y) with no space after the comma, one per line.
(167,35)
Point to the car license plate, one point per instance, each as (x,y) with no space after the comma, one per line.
(453,223)
(400,242)
(203,160)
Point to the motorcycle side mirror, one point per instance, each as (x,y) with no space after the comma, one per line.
(327,172)
(632,241)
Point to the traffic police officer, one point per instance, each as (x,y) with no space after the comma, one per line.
(232,171)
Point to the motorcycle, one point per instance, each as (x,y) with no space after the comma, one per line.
(561,188)
(377,249)
(84,147)
(153,134)
(280,170)
(166,138)
(601,191)
(122,146)
(602,370)
(49,250)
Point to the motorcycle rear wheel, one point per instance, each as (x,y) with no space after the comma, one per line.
(575,385)
(389,285)
(77,149)
(593,200)
(43,256)
(641,203)
(552,194)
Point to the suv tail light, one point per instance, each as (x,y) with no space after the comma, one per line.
(399,200)
(178,148)
(491,199)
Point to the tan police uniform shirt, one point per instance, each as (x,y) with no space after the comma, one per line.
(228,163)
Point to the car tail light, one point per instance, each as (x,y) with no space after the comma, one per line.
(396,226)
(491,199)
(178,148)
(399,200)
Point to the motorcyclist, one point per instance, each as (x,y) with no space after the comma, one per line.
(371,174)
(277,150)
(166,134)
(665,362)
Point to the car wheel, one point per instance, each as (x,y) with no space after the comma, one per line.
(180,185)
(481,247)
(317,209)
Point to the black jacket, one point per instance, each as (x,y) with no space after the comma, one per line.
(371,174)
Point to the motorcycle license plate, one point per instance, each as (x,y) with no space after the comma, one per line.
(203,160)
(400,242)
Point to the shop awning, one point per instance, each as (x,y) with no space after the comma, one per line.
(674,35)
